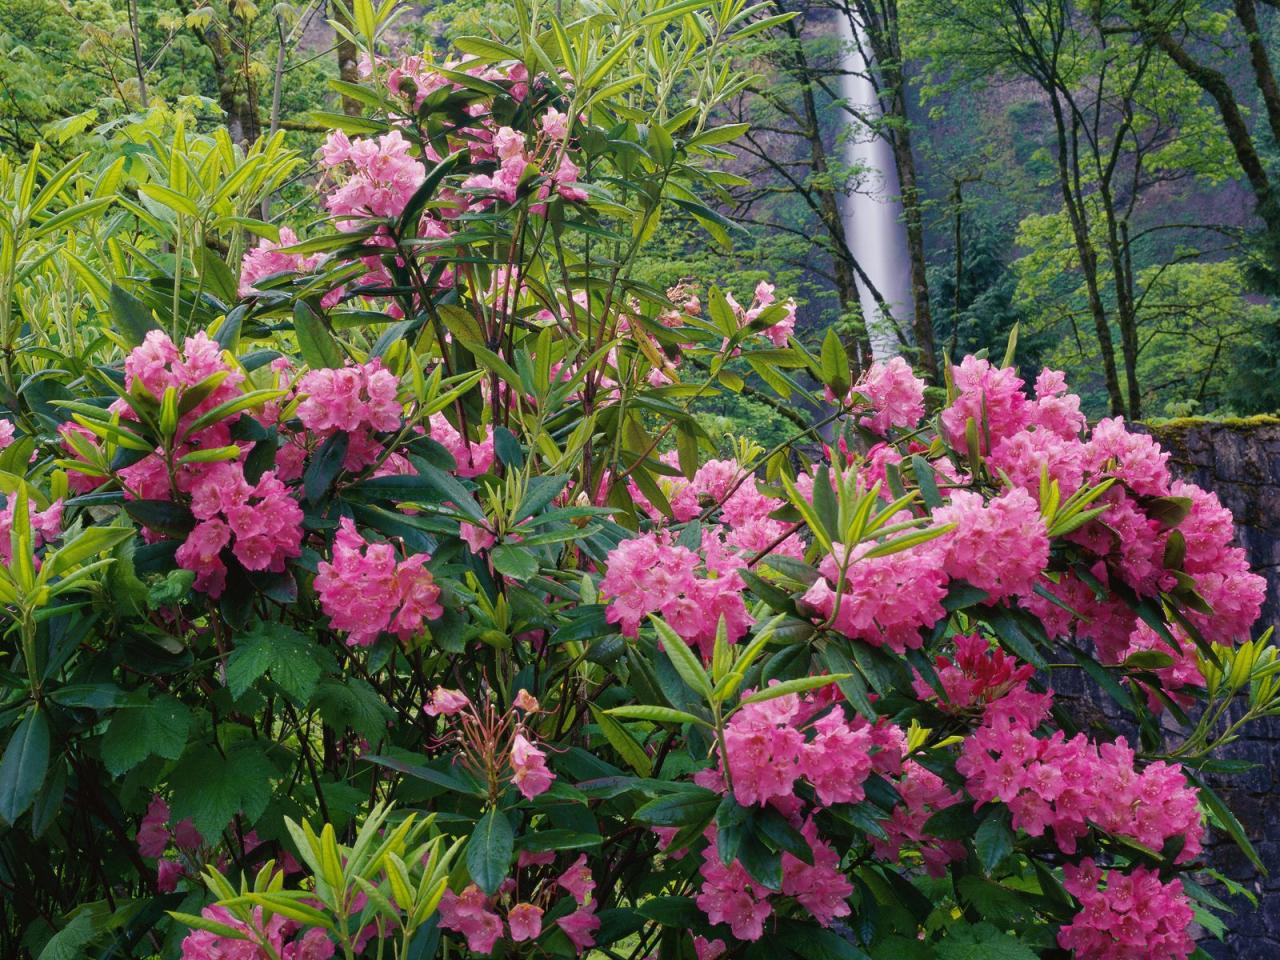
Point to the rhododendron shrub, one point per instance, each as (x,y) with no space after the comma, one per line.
(385,596)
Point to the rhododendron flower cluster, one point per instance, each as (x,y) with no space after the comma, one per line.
(472,458)
(496,745)
(768,751)
(384,175)
(729,895)
(780,331)
(367,591)
(894,394)
(46,526)
(310,944)
(881,600)
(1129,916)
(261,523)
(269,258)
(1066,785)
(476,916)
(1000,546)
(650,575)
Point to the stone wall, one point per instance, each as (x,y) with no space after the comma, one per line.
(1240,461)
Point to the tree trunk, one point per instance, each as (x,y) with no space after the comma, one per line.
(922,321)
(237,88)
(348,61)
(1260,60)
(1088,257)
(1215,84)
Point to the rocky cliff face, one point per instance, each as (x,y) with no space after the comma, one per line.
(1240,461)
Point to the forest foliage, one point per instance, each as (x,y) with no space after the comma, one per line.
(452,507)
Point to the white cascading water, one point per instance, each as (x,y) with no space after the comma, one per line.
(872,214)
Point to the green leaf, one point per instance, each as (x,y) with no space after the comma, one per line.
(560,839)
(24,765)
(353,704)
(315,342)
(993,841)
(69,942)
(798,685)
(623,742)
(325,466)
(656,714)
(162,516)
(431,485)
(287,654)
(489,851)
(211,788)
(88,543)
(514,561)
(835,364)
(132,317)
(156,728)
(683,659)
(680,809)
(982,942)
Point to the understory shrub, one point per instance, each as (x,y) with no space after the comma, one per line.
(379,592)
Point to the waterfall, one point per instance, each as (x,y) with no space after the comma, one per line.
(872,215)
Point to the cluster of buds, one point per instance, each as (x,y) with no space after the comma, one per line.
(495,746)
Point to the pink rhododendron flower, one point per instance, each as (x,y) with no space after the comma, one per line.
(525,921)
(261,523)
(1134,458)
(266,259)
(923,794)
(445,702)
(46,526)
(153,832)
(156,364)
(577,879)
(168,873)
(729,895)
(1055,410)
(529,766)
(649,575)
(580,927)
(885,600)
(992,397)
(206,945)
(6,433)
(469,914)
(384,176)
(895,394)
(526,701)
(366,592)
(1000,546)
(1066,785)
(472,458)
(820,887)
(475,537)
(1132,916)
(350,398)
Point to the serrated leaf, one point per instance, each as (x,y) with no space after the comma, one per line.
(158,728)
(287,654)
(211,788)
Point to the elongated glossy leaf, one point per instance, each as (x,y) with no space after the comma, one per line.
(489,851)
(24,765)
